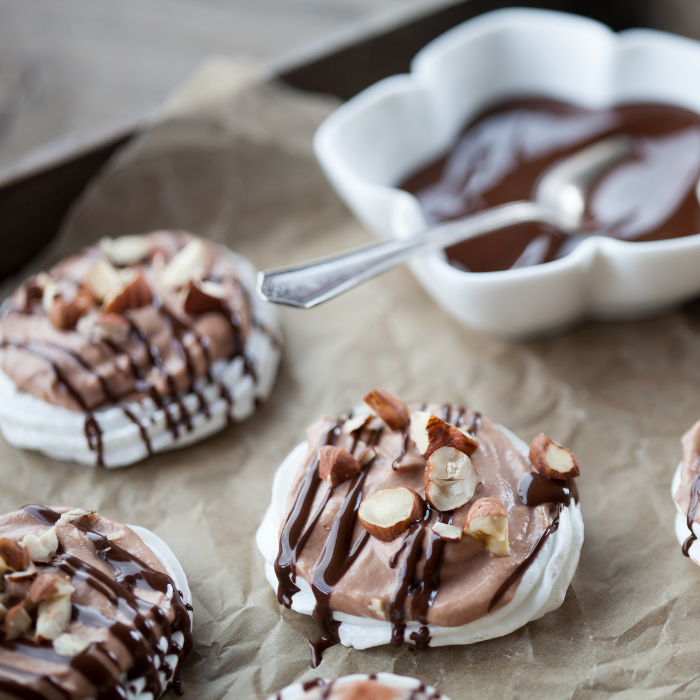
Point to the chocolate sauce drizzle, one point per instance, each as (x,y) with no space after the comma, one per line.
(146,623)
(339,552)
(294,534)
(177,416)
(692,512)
(423,590)
(337,556)
(535,490)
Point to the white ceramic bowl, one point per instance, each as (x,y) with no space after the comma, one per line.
(391,129)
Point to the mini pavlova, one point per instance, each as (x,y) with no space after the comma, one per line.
(89,608)
(134,346)
(424,523)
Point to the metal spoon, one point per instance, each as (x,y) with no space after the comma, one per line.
(560,200)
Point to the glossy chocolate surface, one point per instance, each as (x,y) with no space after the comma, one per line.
(501,155)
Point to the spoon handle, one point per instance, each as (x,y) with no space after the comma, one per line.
(307,284)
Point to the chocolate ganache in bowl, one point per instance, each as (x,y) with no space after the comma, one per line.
(502,154)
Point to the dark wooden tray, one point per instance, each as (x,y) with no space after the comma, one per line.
(34,198)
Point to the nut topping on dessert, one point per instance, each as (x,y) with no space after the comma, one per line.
(41,549)
(74,514)
(104,326)
(192,262)
(552,460)
(126,250)
(24,590)
(102,279)
(67,644)
(377,607)
(487,520)
(391,409)
(133,294)
(54,612)
(449,533)
(110,608)
(336,465)
(366,456)
(356,422)
(450,479)
(13,556)
(386,514)
(44,586)
(201,297)
(430,433)
(64,312)
(17,621)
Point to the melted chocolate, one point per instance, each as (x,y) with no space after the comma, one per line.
(522,567)
(337,556)
(692,512)
(294,535)
(421,638)
(427,588)
(407,572)
(535,490)
(501,155)
(146,623)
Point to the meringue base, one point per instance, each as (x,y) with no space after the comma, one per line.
(541,589)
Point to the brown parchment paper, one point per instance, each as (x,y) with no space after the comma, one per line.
(232,160)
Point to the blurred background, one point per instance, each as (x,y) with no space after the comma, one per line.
(78,78)
(69,67)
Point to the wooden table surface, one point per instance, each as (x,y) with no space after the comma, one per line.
(69,67)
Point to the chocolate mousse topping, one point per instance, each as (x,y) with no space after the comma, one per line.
(501,155)
(374,545)
(89,610)
(139,317)
(688,494)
